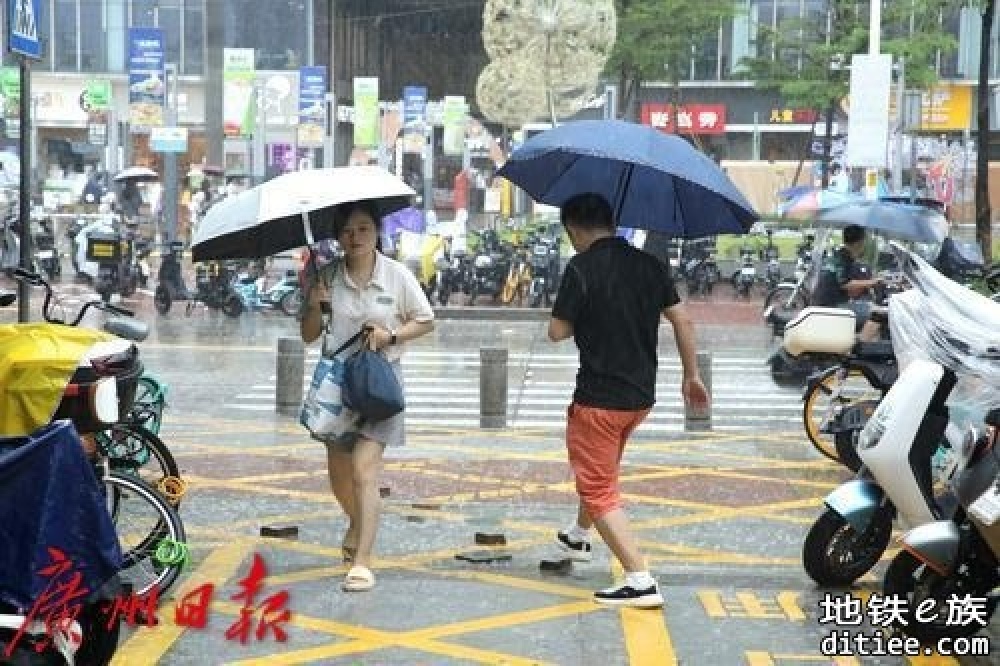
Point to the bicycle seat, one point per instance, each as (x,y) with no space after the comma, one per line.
(879,350)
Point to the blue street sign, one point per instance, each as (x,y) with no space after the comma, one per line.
(23,24)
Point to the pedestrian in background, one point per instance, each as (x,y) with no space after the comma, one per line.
(366,288)
(610,301)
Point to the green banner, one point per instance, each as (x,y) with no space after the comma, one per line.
(10,89)
(97,95)
(239,109)
(366,114)
(453,119)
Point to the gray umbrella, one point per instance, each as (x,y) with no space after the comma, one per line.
(896,220)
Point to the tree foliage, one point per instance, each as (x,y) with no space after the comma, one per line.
(656,40)
(807,59)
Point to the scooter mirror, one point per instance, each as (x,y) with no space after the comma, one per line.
(128,328)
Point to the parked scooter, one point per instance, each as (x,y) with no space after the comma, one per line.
(47,256)
(545,267)
(698,266)
(772,264)
(491,264)
(908,430)
(745,276)
(213,285)
(957,558)
(284,295)
(454,272)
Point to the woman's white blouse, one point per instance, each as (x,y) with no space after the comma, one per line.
(392,298)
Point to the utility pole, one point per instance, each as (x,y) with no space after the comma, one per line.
(330,146)
(897,173)
(24,198)
(170,194)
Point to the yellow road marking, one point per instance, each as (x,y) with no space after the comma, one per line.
(646,638)
(711,600)
(768,659)
(148,645)
(789,603)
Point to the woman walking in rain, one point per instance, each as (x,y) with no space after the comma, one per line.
(365,289)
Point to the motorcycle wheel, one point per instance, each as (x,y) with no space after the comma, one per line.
(291,303)
(819,401)
(444,295)
(162,300)
(473,294)
(910,579)
(835,554)
(233,306)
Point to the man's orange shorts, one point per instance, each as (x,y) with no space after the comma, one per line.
(596,439)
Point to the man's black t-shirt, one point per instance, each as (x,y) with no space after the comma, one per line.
(614,295)
(838,269)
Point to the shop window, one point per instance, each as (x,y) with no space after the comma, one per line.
(93,36)
(66,19)
(194,37)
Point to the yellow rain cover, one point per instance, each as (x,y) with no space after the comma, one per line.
(36,363)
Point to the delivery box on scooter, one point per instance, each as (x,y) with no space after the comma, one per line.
(819,330)
(104,247)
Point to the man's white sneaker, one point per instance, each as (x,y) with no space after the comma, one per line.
(626,595)
(578,551)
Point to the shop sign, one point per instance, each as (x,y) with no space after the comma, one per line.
(787,116)
(691,118)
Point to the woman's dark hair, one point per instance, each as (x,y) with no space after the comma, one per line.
(587,211)
(343,214)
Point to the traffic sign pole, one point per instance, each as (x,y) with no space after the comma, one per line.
(23,289)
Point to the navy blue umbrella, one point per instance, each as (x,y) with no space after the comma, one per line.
(652,180)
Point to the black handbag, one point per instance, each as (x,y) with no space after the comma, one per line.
(371,387)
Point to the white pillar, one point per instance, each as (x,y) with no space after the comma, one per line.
(875,33)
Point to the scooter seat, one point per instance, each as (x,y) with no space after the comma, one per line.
(879,350)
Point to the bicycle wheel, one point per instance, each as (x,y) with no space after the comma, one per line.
(147,528)
(820,403)
(147,407)
(134,451)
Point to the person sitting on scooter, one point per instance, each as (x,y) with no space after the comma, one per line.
(845,278)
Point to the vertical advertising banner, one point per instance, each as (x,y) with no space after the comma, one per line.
(147,88)
(366,115)
(414,114)
(868,122)
(96,101)
(239,108)
(10,99)
(453,119)
(312,107)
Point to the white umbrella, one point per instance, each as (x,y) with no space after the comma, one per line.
(292,210)
(137,173)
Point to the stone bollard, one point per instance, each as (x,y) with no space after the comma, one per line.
(695,419)
(291,362)
(492,388)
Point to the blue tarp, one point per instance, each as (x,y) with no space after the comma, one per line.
(50,497)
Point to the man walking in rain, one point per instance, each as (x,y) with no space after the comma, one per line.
(610,301)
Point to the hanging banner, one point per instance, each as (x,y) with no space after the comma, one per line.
(147,88)
(366,113)
(10,99)
(96,100)
(239,108)
(453,119)
(868,122)
(414,117)
(312,107)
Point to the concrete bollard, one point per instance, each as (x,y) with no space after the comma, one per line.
(492,388)
(695,419)
(291,362)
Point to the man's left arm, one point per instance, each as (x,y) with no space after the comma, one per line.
(692,388)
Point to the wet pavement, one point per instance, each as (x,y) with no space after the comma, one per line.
(721,515)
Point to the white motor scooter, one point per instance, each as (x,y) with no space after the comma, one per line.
(907,438)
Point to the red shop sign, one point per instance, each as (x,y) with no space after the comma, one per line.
(692,118)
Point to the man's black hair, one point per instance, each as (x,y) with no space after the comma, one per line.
(587,211)
(853,233)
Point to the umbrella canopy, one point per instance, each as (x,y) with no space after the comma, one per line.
(809,202)
(137,173)
(292,210)
(902,221)
(652,180)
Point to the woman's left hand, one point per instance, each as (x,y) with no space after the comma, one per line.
(378,338)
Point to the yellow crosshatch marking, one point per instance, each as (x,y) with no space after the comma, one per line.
(645,635)
(784,606)
(769,659)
